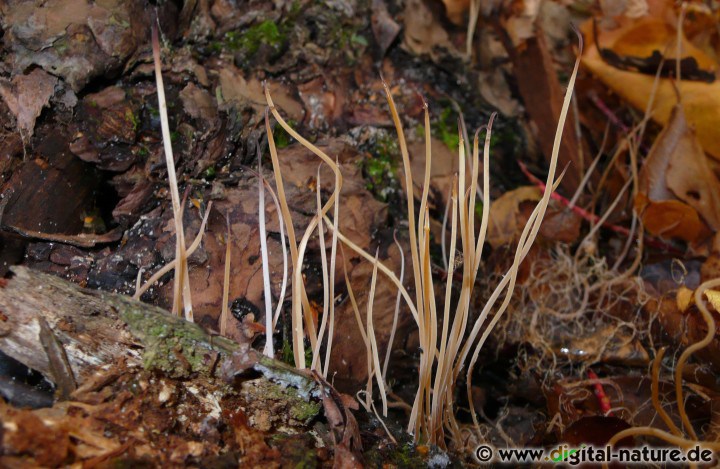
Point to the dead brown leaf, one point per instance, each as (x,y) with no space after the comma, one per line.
(26,96)
(384,27)
(541,91)
(424,34)
(443,166)
(235,88)
(677,186)
(198,103)
(505,221)
(700,100)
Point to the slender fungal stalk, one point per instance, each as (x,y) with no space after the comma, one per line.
(301,305)
(397,309)
(297,319)
(333,259)
(224,314)
(326,279)
(281,224)
(172,264)
(443,357)
(181,291)
(267,292)
(374,359)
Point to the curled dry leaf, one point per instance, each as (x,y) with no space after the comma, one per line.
(384,27)
(510,212)
(235,88)
(26,96)
(505,217)
(423,32)
(679,195)
(701,100)
(198,103)
(641,44)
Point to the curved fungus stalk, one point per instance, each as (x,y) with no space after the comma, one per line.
(443,353)
(675,436)
(302,312)
(181,289)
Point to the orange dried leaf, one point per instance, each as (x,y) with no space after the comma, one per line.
(671,219)
(678,194)
(684,298)
(713,297)
(506,221)
(701,101)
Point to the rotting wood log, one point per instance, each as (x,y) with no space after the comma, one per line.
(85,329)
(95,328)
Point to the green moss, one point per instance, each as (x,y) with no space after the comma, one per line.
(379,168)
(359,40)
(122,22)
(343,37)
(304,411)
(132,118)
(297,451)
(209,173)
(250,40)
(404,455)
(446,129)
(287,355)
(61,45)
(153,111)
(143,151)
(173,345)
(478,209)
(282,138)
(300,408)
(215,47)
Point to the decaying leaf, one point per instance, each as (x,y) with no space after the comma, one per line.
(641,44)
(423,33)
(505,224)
(236,88)
(683,328)
(541,90)
(679,194)
(684,298)
(671,219)
(198,103)
(444,166)
(384,27)
(701,100)
(27,95)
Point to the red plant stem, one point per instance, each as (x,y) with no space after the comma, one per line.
(611,116)
(603,400)
(591,217)
(608,113)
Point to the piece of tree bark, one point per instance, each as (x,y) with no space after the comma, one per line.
(90,328)
(95,328)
